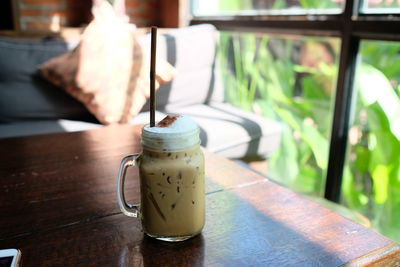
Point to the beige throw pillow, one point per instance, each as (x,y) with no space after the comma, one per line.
(108,71)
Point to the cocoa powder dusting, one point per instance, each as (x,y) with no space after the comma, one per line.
(167,121)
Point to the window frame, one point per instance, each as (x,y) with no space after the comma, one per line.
(351,26)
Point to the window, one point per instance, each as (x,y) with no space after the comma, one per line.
(290,79)
(371,183)
(380,6)
(271,7)
(348,49)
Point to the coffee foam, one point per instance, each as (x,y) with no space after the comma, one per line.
(173,133)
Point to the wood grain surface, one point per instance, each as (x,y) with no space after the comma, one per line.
(58,206)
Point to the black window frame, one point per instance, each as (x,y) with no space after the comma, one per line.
(351,26)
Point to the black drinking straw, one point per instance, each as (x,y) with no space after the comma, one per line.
(153,76)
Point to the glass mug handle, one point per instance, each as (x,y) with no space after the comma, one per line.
(126,208)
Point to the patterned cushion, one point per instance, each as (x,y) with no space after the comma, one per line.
(108,71)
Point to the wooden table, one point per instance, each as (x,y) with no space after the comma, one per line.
(58,206)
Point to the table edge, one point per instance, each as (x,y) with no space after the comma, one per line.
(386,256)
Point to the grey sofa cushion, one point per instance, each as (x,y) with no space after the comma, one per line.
(26,128)
(225,130)
(232,132)
(24,95)
(191,51)
(228,131)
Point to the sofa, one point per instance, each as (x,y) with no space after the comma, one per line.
(29,105)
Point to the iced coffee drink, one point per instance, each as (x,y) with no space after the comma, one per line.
(171,169)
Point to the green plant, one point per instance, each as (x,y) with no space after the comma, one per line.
(372,176)
(258,79)
(235,5)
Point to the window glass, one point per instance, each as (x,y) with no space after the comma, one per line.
(371,182)
(380,6)
(268,7)
(290,80)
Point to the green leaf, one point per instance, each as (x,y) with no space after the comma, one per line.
(283,164)
(377,119)
(382,55)
(278,4)
(234,5)
(362,158)
(312,89)
(375,87)
(317,142)
(380,176)
(386,150)
(316,109)
(350,195)
(267,109)
(309,181)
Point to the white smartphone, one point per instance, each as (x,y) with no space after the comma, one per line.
(9,257)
